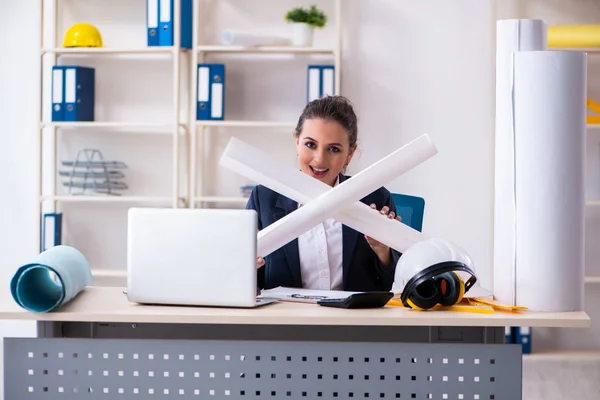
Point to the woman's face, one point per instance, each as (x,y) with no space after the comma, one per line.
(323,149)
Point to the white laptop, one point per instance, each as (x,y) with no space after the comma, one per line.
(196,257)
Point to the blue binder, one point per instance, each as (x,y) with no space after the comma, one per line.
(211,92)
(79,93)
(523,337)
(152,22)
(320,81)
(58,90)
(165,18)
(509,335)
(51,230)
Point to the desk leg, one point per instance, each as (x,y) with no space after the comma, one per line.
(256,367)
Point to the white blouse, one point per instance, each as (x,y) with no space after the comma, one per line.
(320,250)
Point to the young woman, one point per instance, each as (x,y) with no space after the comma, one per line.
(331,256)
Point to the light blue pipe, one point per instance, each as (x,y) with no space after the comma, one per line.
(35,289)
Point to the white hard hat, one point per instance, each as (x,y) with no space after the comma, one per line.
(432,272)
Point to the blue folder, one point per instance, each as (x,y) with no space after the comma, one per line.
(58,93)
(211,92)
(51,279)
(165,22)
(152,22)
(320,81)
(79,95)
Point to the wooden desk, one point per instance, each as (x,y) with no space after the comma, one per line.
(100,345)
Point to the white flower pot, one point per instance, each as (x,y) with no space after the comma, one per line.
(302,34)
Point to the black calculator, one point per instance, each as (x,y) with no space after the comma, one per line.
(359,300)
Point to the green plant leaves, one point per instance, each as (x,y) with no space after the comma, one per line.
(313,16)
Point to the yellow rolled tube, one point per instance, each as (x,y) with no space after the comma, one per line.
(573,36)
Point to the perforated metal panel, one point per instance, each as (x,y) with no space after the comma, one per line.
(187,369)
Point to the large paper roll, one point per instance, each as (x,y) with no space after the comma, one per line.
(263,168)
(550,110)
(512,36)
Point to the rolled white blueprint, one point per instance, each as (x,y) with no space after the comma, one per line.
(550,122)
(370,179)
(511,36)
(261,167)
(252,39)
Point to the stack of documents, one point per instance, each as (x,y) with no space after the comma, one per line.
(303,295)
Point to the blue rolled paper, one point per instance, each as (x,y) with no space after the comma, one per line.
(52,279)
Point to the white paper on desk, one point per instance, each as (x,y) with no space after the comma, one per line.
(252,39)
(550,123)
(511,36)
(368,180)
(297,295)
(261,167)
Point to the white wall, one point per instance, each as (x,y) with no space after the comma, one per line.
(428,67)
(19,84)
(409,67)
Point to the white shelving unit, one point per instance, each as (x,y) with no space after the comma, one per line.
(51,54)
(188,133)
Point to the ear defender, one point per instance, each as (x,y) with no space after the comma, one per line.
(445,289)
(424,296)
(451,288)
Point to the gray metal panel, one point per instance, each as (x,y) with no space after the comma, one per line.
(192,369)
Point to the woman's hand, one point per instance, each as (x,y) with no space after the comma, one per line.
(259,260)
(382,251)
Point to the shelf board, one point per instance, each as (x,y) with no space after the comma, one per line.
(107,124)
(221,199)
(592,279)
(109,277)
(248,124)
(146,126)
(264,49)
(107,199)
(563,355)
(110,51)
(584,49)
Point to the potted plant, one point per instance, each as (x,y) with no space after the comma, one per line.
(304,21)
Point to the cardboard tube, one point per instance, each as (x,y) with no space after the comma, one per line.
(265,169)
(390,167)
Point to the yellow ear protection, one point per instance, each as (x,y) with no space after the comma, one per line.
(438,284)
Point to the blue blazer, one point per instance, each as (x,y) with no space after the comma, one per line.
(362,270)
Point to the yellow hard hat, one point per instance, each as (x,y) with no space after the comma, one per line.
(82,35)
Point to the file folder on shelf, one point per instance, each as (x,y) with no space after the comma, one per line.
(509,336)
(152,22)
(211,92)
(320,82)
(79,93)
(165,20)
(523,337)
(58,89)
(51,230)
